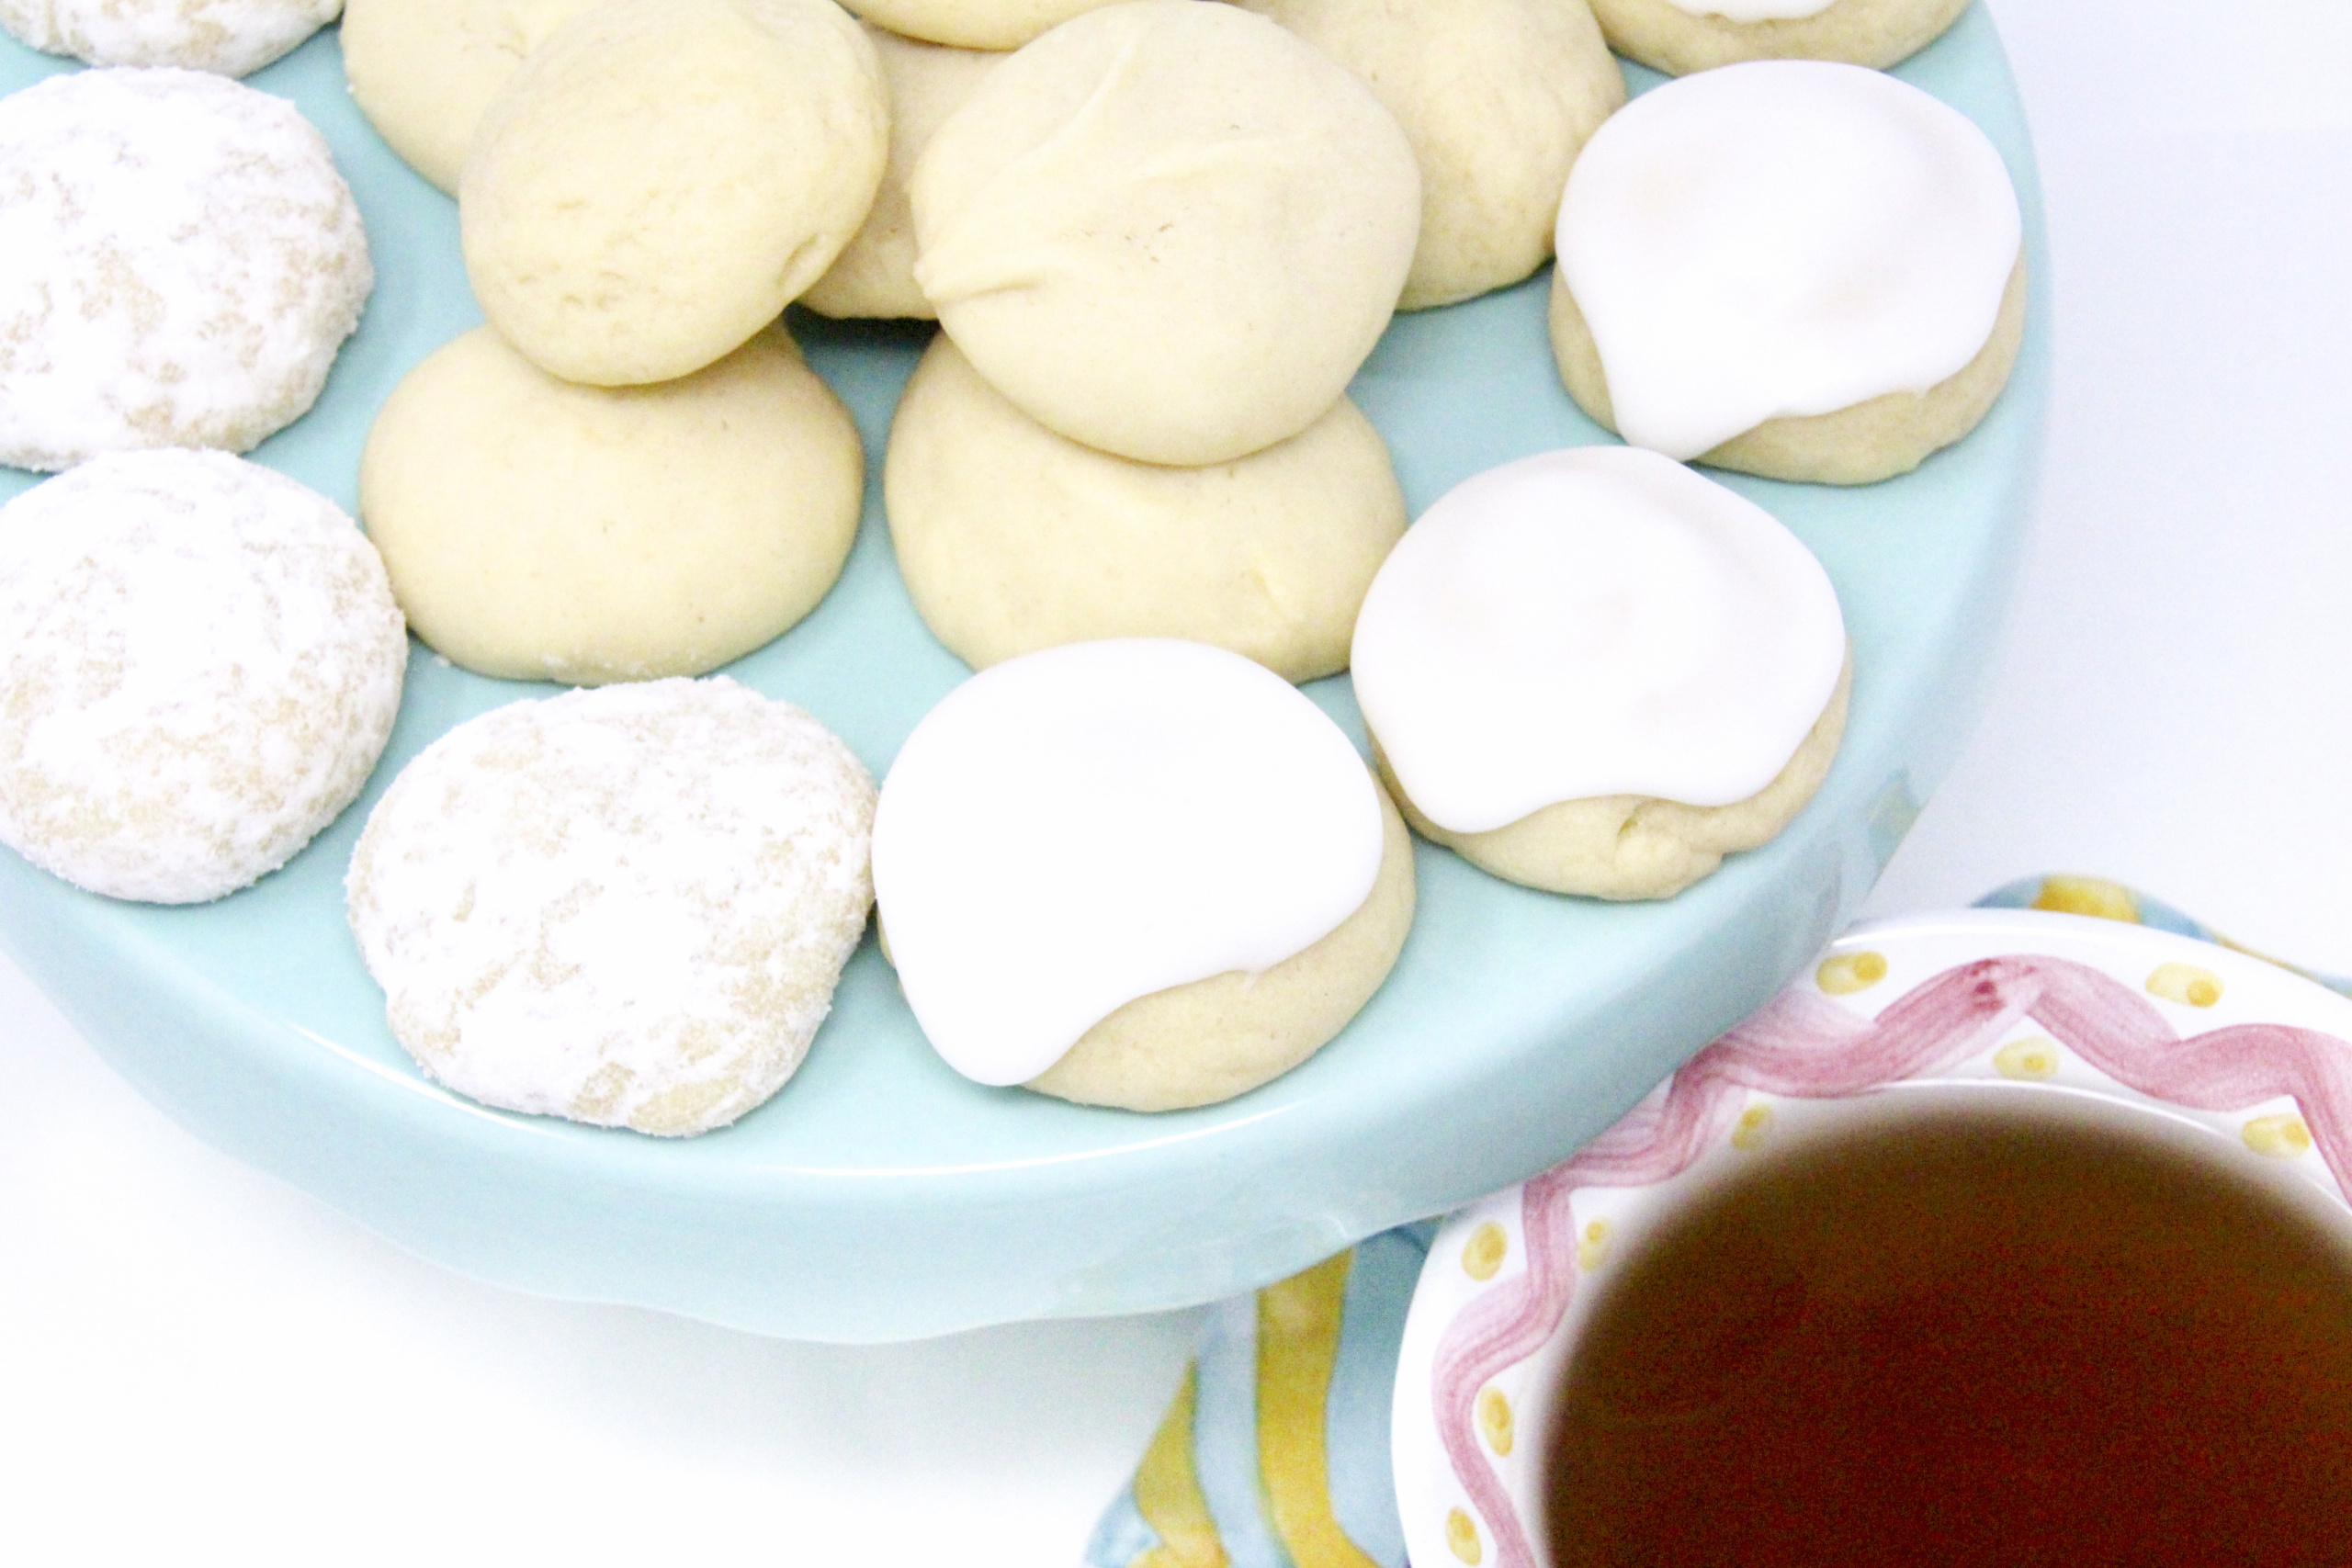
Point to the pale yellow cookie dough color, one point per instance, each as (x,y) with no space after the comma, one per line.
(876,275)
(538,530)
(972,24)
(661,177)
(1167,230)
(1804,270)
(1595,671)
(1011,538)
(1497,96)
(1679,37)
(1140,872)
(423,71)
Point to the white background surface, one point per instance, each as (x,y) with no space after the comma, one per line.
(195,1354)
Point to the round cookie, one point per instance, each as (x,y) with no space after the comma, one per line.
(1805,270)
(629,907)
(1167,230)
(200,663)
(228,37)
(1011,538)
(1497,97)
(875,275)
(423,71)
(543,531)
(972,24)
(1140,871)
(1679,37)
(179,262)
(1595,671)
(660,178)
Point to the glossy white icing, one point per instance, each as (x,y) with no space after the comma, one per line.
(1083,826)
(1783,237)
(1753,10)
(1599,621)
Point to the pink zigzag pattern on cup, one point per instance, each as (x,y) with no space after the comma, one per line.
(1803,1045)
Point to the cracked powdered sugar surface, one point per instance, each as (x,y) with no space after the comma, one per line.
(232,37)
(201,661)
(628,905)
(179,262)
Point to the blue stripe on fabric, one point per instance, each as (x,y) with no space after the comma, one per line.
(1225,1437)
(1120,1536)
(1355,1440)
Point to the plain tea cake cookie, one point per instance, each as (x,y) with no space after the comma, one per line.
(1167,230)
(1595,671)
(199,664)
(972,24)
(543,531)
(1140,872)
(626,906)
(179,262)
(423,71)
(1497,96)
(1011,538)
(1801,270)
(229,37)
(1679,37)
(875,275)
(660,178)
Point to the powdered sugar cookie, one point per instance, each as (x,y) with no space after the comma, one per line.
(423,71)
(545,531)
(1167,230)
(179,262)
(1012,538)
(1497,96)
(626,906)
(199,664)
(1679,37)
(661,177)
(875,275)
(229,37)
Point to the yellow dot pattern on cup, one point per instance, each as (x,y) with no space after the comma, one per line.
(1494,1420)
(2190,983)
(2031,1060)
(1592,1249)
(1754,1124)
(1462,1536)
(2088,896)
(1484,1251)
(2282,1136)
(1843,973)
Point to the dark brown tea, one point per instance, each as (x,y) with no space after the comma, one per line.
(1966,1339)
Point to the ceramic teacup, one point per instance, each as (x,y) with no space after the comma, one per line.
(2050,1018)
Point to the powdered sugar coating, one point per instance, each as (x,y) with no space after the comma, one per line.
(179,262)
(199,664)
(231,37)
(628,905)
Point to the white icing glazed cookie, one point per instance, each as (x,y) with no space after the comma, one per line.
(627,906)
(199,664)
(1497,96)
(1146,827)
(972,24)
(661,177)
(876,275)
(544,531)
(179,262)
(1785,241)
(1011,538)
(423,71)
(1603,627)
(1167,230)
(1679,37)
(229,37)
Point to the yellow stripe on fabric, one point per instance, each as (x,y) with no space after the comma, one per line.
(1298,1344)
(1168,1492)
